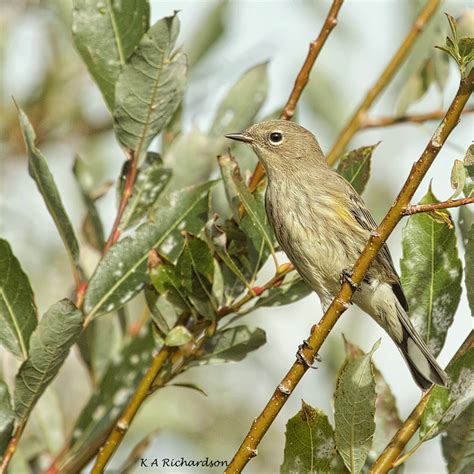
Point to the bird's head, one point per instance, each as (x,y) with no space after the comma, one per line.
(281,145)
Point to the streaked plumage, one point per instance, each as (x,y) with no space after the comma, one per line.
(323,224)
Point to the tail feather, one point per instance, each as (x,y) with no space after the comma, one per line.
(422,364)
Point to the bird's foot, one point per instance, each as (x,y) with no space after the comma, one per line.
(302,359)
(346,275)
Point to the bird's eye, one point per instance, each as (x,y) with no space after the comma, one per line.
(276,137)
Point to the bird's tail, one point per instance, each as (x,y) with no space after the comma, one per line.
(422,364)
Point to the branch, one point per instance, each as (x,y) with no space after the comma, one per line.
(320,331)
(150,383)
(401,438)
(302,78)
(355,123)
(414,209)
(416,118)
(11,448)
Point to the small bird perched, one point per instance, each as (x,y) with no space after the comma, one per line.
(322,224)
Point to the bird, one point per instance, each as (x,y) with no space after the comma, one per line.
(322,224)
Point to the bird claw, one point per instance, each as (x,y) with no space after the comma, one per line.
(302,359)
(346,275)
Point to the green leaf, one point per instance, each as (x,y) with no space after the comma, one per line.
(293,288)
(230,345)
(431,274)
(50,342)
(209,31)
(178,336)
(354,410)
(39,171)
(465,221)
(7,417)
(105,34)
(92,227)
(458,178)
(191,386)
(355,166)
(113,393)
(195,268)
(310,446)
(241,104)
(150,87)
(446,404)
(18,316)
(122,273)
(458,443)
(466,48)
(469,170)
(387,420)
(469,268)
(152,179)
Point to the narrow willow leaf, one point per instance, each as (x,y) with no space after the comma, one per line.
(387,420)
(7,417)
(293,288)
(191,386)
(150,87)
(178,336)
(354,410)
(113,393)
(446,404)
(50,342)
(458,178)
(18,316)
(105,34)
(469,172)
(458,443)
(92,227)
(209,31)
(230,345)
(355,166)
(310,446)
(242,103)
(122,273)
(431,275)
(151,180)
(39,171)
(469,269)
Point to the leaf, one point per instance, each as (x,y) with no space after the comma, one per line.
(209,31)
(355,166)
(458,178)
(18,316)
(387,420)
(458,443)
(469,172)
(152,179)
(293,288)
(105,34)
(354,410)
(446,404)
(50,342)
(113,393)
(310,446)
(150,87)
(431,274)
(465,221)
(122,273)
(469,269)
(191,386)
(230,345)
(466,48)
(178,336)
(241,104)
(39,171)
(7,417)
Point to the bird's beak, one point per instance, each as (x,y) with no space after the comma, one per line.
(240,137)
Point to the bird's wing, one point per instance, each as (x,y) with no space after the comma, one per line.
(364,218)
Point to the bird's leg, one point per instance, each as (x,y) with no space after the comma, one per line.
(346,275)
(302,359)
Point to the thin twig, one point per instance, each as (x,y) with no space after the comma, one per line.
(414,209)
(302,78)
(415,118)
(11,448)
(358,118)
(320,331)
(127,192)
(390,454)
